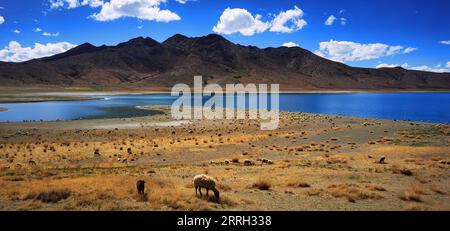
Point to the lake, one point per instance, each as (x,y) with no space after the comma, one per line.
(425,107)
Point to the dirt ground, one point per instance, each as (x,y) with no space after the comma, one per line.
(312,162)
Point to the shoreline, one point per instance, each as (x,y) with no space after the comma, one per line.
(87,95)
(159,120)
(37,100)
(165,109)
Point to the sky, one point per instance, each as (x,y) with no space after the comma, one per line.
(414,34)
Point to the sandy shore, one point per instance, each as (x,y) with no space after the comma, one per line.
(316,162)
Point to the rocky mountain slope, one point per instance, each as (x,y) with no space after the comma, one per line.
(145,64)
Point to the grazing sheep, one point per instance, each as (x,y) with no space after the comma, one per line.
(207,182)
(266,161)
(382,159)
(140,185)
(248,163)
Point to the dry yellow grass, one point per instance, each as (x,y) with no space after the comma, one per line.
(81,168)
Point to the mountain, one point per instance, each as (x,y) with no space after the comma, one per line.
(145,64)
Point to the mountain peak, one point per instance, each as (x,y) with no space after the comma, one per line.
(140,41)
(214,38)
(81,49)
(178,37)
(175,39)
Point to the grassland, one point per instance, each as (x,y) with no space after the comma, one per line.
(317,162)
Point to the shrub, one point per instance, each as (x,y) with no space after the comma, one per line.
(53,196)
(261,185)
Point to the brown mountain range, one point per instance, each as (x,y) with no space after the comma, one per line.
(145,64)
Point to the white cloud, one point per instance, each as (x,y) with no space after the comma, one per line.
(290,44)
(330,20)
(141,9)
(115,9)
(184,1)
(140,27)
(342,51)
(50,34)
(44,33)
(416,68)
(448,64)
(16,31)
(445,42)
(240,21)
(294,17)
(2,20)
(409,50)
(14,52)
(92,3)
(71,4)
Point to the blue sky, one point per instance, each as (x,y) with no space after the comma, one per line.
(415,34)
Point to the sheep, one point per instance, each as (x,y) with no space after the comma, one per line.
(140,185)
(248,163)
(266,161)
(382,159)
(207,182)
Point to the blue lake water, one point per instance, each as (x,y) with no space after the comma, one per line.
(426,107)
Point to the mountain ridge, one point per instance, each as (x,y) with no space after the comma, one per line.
(144,63)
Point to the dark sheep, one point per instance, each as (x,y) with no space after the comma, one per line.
(382,159)
(140,185)
(207,182)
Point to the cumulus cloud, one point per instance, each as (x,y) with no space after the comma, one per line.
(16,31)
(437,69)
(239,20)
(290,44)
(447,42)
(448,64)
(343,21)
(288,21)
(342,51)
(115,9)
(71,4)
(14,52)
(2,20)
(141,9)
(37,29)
(330,20)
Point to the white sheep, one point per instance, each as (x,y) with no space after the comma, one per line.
(207,182)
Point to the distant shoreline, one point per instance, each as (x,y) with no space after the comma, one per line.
(37,100)
(55,96)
